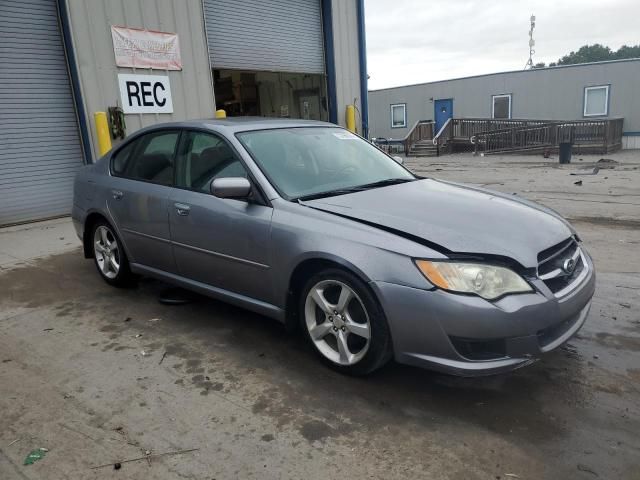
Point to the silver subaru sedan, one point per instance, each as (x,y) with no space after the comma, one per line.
(311,225)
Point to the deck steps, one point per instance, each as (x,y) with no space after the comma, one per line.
(423,148)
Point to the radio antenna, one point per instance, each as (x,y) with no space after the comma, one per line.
(532,43)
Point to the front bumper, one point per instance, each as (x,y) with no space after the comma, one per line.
(446,332)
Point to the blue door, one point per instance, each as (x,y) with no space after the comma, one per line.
(443,112)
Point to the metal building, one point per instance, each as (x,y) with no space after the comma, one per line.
(291,58)
(603,90)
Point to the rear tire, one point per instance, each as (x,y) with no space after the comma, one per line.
(344,323)
(109,255)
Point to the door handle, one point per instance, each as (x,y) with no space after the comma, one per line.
(117,194)
(182,209)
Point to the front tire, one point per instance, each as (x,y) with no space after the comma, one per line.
(109,255)
(344,323)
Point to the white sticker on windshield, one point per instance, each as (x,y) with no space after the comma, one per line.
(345,136)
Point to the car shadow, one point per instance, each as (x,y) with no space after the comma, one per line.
(528,402)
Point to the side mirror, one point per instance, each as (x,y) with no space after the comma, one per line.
(232,187)
(400,160)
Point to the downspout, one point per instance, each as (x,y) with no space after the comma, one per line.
(330,60)
(364,82)
(76,92)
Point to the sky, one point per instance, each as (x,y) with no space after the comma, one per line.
(414,41)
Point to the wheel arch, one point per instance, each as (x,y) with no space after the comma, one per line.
(89,222)
(91,219)
(304,269)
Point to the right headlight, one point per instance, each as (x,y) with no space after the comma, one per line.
(487,281)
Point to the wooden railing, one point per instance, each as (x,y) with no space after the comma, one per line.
(503,135)
(601,136)
(422,130)
(444,135)
(465,128)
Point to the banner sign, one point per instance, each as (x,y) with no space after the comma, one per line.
(138,48)
(145,93)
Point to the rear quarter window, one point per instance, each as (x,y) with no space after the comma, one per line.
(121,158)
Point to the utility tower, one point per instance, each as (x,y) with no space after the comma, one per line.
(532,43)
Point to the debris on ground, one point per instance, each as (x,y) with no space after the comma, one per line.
(144,353)
(579,183)
(607,160)
(47,329)
(154,320)
(511,475)
(162,359)
(15,441)
(35,455)
(592,172)
(128,319)
(138,335)
(584,468)
(625,305)
(147,457)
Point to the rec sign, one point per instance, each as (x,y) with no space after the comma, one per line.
(145,93)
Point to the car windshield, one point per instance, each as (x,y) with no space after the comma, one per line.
(312,162)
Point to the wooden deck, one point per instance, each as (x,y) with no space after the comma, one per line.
(483,135)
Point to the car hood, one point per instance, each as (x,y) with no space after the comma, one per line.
(455,218)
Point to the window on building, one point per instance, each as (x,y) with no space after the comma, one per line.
(399,115)
(596,101)
(501,106)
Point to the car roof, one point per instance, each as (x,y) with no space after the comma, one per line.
(240,124)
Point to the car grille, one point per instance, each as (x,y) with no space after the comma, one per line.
(553,263)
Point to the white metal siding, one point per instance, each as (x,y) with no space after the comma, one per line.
(347,62)
(278,36)
(39,142)
(191,88)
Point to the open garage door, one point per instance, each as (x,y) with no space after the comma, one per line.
(40,148)
(268,57)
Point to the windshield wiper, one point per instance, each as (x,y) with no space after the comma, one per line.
(357,188)
(328,193)
(382,183)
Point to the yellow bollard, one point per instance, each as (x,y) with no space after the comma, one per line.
(102,129)
(350,117)
(221,113)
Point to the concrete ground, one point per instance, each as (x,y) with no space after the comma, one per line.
(99,375)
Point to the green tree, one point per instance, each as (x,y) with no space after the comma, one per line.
(628,52)
(595,53)
(586,54)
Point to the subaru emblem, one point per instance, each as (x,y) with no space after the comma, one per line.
(569,266)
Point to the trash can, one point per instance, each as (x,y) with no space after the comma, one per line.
(565,152)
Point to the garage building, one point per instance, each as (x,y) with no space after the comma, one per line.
(290,58)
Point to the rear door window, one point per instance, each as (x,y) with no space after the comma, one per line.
(149,158)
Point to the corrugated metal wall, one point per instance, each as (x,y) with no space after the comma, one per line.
(191,88)
(345,37)
(39,142)
(550,93)
(282,36)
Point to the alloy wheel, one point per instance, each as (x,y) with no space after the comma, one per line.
(106,251)
(337,322)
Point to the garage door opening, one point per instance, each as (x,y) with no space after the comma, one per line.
(271,94)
